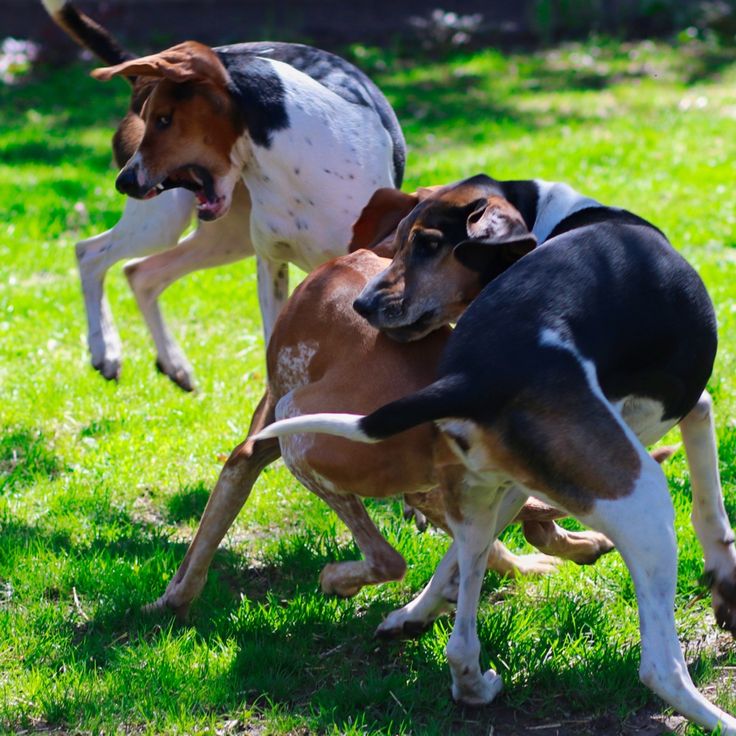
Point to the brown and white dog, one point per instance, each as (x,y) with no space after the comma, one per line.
(578,352)
(321,353)
(275,147)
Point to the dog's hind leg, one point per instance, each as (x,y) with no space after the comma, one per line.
(642,527)
(382,562)
(500,558)
(709,514)
(584,548)
(211,244)
(144,228)
(231,492)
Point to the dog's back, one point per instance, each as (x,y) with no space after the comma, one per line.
(322,353)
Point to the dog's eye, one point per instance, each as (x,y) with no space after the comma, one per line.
(427,245)
(163,121)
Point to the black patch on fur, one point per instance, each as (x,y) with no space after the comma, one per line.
(337,75)
(258,92)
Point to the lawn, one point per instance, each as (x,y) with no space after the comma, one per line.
(101,484)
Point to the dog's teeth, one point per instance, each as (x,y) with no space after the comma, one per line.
(159,187)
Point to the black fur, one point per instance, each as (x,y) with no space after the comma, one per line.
(608,283)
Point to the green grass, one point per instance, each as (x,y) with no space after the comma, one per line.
(101,484)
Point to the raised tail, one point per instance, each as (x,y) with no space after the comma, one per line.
(86,32)
(437,401)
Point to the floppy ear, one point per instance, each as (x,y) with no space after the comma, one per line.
(187,62)
(498,237)
(379,218)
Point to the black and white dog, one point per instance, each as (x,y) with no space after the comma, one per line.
(308,134)
(576,354)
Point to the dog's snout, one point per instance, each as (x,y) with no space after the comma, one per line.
(364,306)
(127,182)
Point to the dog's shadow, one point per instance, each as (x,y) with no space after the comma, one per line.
(290,648)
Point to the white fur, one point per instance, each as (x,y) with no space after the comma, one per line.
(338,425)
(53,6)
(556,202)
(301,186)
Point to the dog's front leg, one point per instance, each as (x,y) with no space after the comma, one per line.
(146,227)
(273,291)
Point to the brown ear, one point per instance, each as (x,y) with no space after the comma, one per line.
(187,62)
(379,218)
(498,237)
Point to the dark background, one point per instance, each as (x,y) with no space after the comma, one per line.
(334,23)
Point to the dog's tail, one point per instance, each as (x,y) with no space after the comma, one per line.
(86,32)
(444,398)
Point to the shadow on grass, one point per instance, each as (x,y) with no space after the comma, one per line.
(314,657)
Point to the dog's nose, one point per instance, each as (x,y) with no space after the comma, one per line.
(364,306)
(127,182)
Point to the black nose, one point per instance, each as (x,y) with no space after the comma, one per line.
(364,306)
(127,182)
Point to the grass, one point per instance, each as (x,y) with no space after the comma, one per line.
(101,484)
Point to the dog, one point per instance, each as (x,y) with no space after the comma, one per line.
(576,354)
(318,349)
(297,140)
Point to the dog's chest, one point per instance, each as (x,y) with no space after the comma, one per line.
(309,186)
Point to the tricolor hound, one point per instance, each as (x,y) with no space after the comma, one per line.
(308,134)
(578,353)
(322,354)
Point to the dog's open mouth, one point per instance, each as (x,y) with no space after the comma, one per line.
(198,180)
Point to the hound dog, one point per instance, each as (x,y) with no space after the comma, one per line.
(577,354)
(289,139)
(318,349)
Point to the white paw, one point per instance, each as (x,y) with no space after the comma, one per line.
(105,357)
(178,370)
(536,564)
(477,690)
(400,625)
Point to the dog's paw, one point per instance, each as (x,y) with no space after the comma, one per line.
(535,564)
(587,547)
(333,580)
(403,624)
(108,366)
(723,592)
(477,690)
(179,372)
(165,605)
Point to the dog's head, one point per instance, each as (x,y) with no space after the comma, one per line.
(449,242)
(191,128)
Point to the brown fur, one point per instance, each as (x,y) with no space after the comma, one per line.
(186,84)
